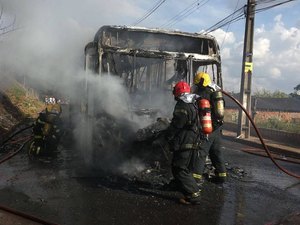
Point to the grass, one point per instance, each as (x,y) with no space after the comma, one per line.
(26,100)
(274,122)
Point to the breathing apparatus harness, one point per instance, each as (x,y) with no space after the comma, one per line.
(210,109)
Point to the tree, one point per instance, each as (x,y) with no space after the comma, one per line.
(268,94)
(296,93)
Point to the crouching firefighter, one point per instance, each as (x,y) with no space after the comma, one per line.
(183,137)
(47,131)
(212,108)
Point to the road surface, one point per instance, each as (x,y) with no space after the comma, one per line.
(64,189)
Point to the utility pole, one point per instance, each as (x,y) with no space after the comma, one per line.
(247,67)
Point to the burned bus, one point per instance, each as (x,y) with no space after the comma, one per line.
(151,61)
(146,63)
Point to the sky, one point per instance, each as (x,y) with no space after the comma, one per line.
(50,35)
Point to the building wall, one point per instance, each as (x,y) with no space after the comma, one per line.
(231,115)
(284,116)
(287,130)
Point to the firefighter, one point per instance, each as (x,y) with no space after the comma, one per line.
(47,131)
(183,135)
(212,145)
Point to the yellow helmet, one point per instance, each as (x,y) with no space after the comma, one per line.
(204,76)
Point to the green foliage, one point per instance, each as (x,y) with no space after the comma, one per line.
(276,123)
(296,93)
(297,88)
(268,94)
(18,92)
(26,101)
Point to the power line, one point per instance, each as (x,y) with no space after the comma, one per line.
(174,18)
(271,6)
(239,14)
(152,10)
(264,1)
(233,17)
(185,13)
(228,26)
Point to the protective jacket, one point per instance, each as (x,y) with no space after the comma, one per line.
(47,125)
(47,132)
(183,132)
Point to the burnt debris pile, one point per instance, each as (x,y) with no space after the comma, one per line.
(114,149)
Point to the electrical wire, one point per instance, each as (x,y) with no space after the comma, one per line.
(185,13)
(180,14)
(240,14)
(152,10)
(272,6)
(259,2)
(229,25)
(233,17)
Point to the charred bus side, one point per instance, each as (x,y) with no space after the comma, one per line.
(150,61)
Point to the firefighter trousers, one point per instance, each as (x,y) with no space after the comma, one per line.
(212,148)
(183,167)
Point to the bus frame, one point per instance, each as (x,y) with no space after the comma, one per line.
(149,60)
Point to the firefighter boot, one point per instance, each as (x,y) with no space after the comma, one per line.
(193,199)
(219,178)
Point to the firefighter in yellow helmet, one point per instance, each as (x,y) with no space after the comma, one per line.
(205,88)
(47,131)
(202,79)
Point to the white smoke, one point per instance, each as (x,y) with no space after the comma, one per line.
(132,167)
(47,50)
(110,95)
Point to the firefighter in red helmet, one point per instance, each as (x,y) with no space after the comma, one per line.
(183,137)
(212,146)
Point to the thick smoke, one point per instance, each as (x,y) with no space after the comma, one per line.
(46,49)
(107,127)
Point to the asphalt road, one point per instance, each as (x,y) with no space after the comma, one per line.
(66,190)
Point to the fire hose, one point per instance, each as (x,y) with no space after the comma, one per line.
(26,216)
(19,131)
(27,139)
(15,152)
(260,137)
(12,211)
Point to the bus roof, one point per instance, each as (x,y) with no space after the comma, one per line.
(152,30)
(154,42)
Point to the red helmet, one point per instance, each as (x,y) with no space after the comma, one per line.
(180,88)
